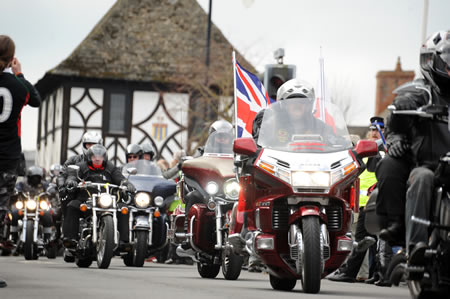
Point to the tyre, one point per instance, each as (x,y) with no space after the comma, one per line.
(208,271)
(83,262)
(282,284)
(397,268)
(68,257)
(311,260)
(28,246)
(128,259)
(140,248)
(231,265)
(52,250)
(105,242)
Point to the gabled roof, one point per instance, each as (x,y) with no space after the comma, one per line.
(150,41)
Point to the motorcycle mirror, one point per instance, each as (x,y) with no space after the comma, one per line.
(132,170)
(244,146)
(366,148)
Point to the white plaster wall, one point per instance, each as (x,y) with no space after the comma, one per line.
(145,103)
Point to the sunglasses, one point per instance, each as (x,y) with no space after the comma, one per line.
(132,157)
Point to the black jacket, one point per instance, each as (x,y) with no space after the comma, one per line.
(15,93)
(429,139)
(110,174)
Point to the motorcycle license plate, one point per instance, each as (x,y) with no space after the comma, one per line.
(171,233)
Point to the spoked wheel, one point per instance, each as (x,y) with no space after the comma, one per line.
(29,248)
(231,265)
(208,271)
(282,284)
(105,242)
(140,248)
(311,260)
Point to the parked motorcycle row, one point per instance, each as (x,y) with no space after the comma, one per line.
(285,203)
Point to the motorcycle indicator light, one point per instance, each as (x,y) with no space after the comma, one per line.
(105,200)
(20,213)
(142,200)
(124,210)
(267,167)
(31,204)
(83,207)
(43,205)
(211,205)
(212,188)
(41,213)
(19,205)
(349,168)
(157,213)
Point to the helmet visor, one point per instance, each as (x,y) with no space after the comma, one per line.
(442,62)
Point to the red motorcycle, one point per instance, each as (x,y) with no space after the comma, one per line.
(297,194)
(209,188)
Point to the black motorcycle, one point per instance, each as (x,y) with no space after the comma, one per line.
(98,229)
(148,220)
(432,278)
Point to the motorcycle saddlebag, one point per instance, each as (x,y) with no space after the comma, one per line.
(372,220)
(203,228)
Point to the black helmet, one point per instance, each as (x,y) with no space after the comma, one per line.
(435,61)
(147,148)
(220,125)
(133,149)
(35,174)
(94,153)
(91,137)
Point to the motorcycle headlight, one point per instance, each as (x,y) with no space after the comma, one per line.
(159,201)
(19,205)
(142,200)
(43,205)
(311,178)
(212,188)
(231,189)
(31,204)
(105,200)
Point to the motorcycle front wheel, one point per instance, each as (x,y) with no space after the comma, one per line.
(140,248)
(311,261)
(282,284)
(231,265)
(208,271)
(83,262)
(105,242)
(29,248)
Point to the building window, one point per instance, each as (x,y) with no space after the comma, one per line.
(118,113)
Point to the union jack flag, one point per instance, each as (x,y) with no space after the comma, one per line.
(250,97)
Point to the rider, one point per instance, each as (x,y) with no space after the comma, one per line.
(418,145)
(148,152)
(221,129)
(98,169)
(34,185)
(134,152)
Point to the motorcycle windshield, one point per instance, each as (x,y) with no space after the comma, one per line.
(300,125)
(143,167)
(219,143)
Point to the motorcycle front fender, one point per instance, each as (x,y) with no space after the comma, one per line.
(142,223)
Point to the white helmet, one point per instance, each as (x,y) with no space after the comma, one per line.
(296,88)
(91,137)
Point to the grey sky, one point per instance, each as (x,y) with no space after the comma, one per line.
(358,38)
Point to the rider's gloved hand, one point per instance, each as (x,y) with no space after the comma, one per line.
(405,103)
(397,145)
(71,184)
(130,186)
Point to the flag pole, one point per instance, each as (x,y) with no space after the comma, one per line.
(322,86)
(235,95)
